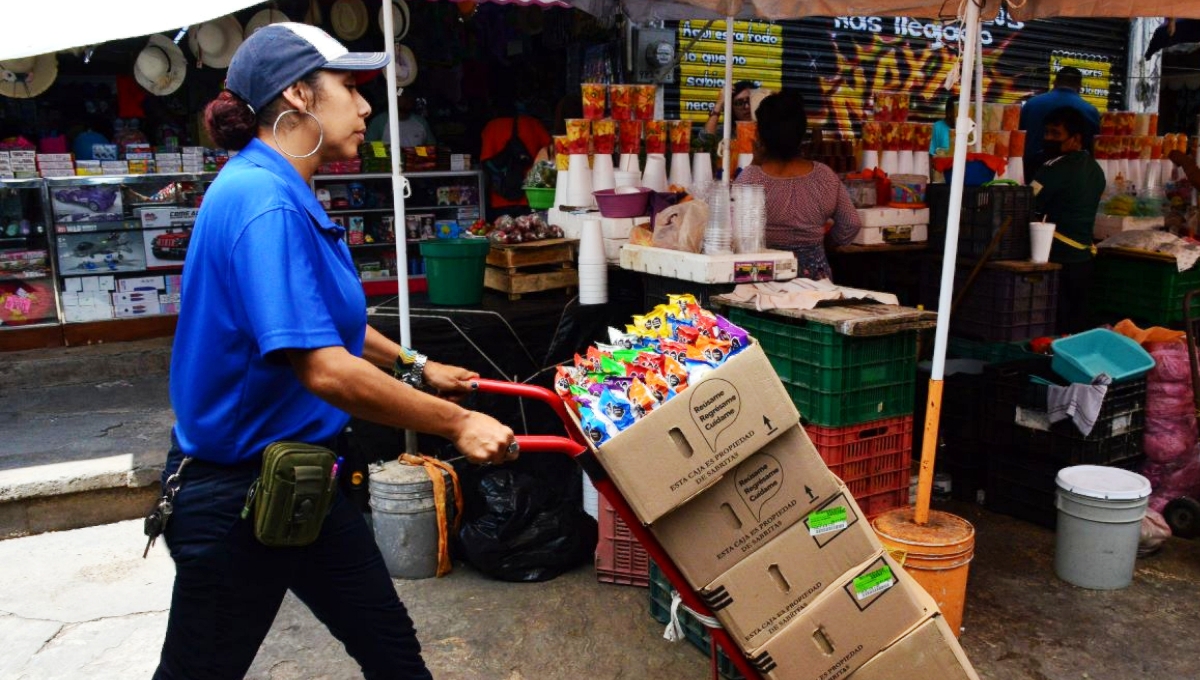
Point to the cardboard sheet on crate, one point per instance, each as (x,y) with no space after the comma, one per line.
(758,500)
(759,597)
(769,265)
(687,444)
(1111,225)
(855,318)
(859,615)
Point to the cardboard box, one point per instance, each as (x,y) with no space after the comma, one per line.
(760,596)
(101,252)
(892,217)
(907,233)
(166,247)
(769,265)
(1111,225)
(140,283)
(684,446)
(87,203)
(772,489)
(931,652)
(861,614)
(172,216)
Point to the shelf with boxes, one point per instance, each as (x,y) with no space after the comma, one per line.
(120,242)
(442,203)
(27,290)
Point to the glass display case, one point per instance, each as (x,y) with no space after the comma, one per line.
(440,202)
(119,242)
(27,289)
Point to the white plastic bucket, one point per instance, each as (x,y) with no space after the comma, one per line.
(1100,512)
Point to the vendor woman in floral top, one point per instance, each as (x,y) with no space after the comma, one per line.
(803,197)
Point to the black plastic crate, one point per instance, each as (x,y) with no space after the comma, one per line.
(656,289)
(965,480)
(1023,485)
(1003,305)
(695,632)
(984,210)
(1123,412)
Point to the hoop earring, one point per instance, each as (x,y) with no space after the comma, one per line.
(275,133)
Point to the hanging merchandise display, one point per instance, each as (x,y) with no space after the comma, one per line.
(265,18)
(27,77)
(160,67)
(400,19)
(214,42)
(349,18)
(406,66)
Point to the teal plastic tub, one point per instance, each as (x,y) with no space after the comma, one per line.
(1082,357)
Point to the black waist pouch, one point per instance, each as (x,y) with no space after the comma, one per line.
(292,495)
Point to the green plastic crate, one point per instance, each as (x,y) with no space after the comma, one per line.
(817,357)
(835,379)
(695,632)
(988,352)
(1147,291)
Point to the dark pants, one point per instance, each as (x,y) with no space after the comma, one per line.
(228,586)
(1074,291)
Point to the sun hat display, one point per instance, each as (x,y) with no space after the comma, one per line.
(160,67)
(281,54)
(349,19)
(27,77)
(312,15)
(406,66)
(400,18)
(264,18)
(214,42)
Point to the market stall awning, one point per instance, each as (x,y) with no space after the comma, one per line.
(45,26)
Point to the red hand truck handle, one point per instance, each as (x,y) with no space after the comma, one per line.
(577,446)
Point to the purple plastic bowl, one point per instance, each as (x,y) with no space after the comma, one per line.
(613,204)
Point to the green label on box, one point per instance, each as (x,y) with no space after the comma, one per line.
(826,521)
(875,582)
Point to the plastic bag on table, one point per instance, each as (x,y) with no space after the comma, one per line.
(527,531)
(681,227)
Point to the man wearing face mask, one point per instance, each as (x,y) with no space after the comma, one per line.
(1067,190)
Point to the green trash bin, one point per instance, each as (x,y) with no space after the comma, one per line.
(454,269)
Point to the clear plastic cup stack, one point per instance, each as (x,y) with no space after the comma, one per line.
(749,218)
(718,235)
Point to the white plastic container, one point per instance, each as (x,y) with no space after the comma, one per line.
(1041,238)
(1100,512)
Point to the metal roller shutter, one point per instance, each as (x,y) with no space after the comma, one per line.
(838,63)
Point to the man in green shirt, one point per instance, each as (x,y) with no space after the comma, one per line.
(1067,190)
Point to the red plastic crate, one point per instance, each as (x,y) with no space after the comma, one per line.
(620,558)
(877,504)
(872,439)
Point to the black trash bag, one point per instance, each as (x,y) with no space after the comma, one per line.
(526,530)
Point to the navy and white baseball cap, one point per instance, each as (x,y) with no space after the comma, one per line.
(278,55)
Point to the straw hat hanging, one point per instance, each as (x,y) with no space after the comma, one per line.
(214,42)
(349,19)
(400,18)
(27,77)
(406,66)
(265,18)
(160,66)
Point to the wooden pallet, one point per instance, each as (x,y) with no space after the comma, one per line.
(520,268)
(516,255)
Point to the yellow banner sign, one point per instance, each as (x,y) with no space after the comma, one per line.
(757,56)
(1097,76)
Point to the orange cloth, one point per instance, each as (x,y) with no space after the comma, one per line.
(996,163)
(1153,334)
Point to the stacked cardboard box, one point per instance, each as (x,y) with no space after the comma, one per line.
(737,495)
(56,164)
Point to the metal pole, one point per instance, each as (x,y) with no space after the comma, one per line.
(399,190)
(726,166)
(941,334)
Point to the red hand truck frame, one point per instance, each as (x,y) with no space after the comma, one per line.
(577,447)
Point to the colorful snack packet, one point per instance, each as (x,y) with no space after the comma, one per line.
(642,399)
(675,374)
(681,301)
(653,324)
(697,370)
(595,426)
(623,340)
(686,333)
(730,331)
(676,350)
(587,364)
(620,383)
(659,386)
(616,407)
(651,360)
(565,377)
(610,366)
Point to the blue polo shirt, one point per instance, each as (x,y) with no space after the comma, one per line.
(266,271)
(1034,112)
